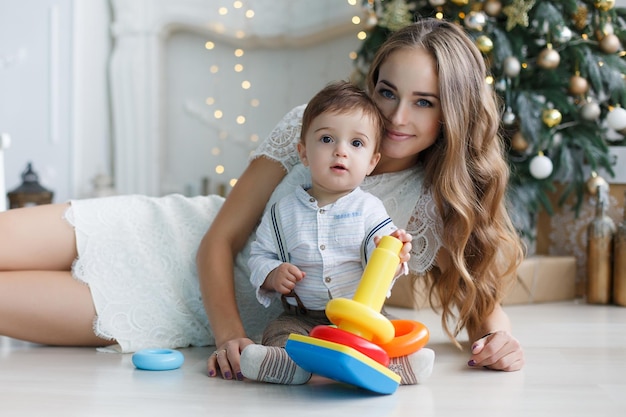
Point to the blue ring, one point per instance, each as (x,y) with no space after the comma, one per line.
(158,359)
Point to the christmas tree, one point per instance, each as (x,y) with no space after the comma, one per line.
(558,67)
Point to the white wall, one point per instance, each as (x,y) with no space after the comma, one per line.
(53,100)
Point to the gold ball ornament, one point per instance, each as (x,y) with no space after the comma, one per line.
(604,5)
(594,182)
(484,43)
(610,44)
(519,142)
(548,58)
(551,117)
(492,7)
(578,85)
(460,2)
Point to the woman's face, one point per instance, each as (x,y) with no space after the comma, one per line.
(407,92)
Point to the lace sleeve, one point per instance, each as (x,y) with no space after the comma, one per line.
(425,225)
(281,144)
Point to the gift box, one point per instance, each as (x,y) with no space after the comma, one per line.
(540,279)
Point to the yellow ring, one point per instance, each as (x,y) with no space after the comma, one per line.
(360,319)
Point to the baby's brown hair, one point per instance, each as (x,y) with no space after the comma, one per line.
(343,97)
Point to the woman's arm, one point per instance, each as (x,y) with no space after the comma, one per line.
(496,348)
(227,235)
(493,344)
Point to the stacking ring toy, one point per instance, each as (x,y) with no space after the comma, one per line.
(158,359)
(342,337)
(360,319)
(410,337)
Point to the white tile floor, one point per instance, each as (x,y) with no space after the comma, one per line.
(576,366)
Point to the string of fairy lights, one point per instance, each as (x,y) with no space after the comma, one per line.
(213,114)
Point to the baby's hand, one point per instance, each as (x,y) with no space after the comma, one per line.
(405,252)
(283,278)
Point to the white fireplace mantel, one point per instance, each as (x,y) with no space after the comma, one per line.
(140,29)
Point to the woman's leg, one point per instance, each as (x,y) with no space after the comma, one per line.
(39,299)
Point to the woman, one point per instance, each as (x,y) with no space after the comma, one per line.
(442,174)
(429,81)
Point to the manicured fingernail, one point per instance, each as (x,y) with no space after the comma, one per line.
(211,373)
(474,346)
(227,375)
(239,376)
(472,362)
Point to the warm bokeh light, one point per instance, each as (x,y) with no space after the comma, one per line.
(219,169)
(241,120)
(209,45)
(245,85)
(238,53)
(218,114)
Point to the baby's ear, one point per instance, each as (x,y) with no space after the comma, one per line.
(373,162)
(302,154)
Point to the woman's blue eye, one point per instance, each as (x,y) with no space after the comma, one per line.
(423,103)
(386,93)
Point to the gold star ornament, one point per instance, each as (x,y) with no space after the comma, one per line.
(517,13)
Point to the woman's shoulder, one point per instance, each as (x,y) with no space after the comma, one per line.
(281,144)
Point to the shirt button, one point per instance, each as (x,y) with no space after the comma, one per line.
(327,280)
(322,211)
(322,247)
(311,200)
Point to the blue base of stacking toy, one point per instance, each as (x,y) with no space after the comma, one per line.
(341,363)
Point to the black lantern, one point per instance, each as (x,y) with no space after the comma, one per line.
(30,192)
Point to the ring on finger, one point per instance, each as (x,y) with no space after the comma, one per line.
(217,352)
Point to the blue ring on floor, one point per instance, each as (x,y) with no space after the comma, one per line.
(158,359)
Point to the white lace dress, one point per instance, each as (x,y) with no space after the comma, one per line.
(137,253)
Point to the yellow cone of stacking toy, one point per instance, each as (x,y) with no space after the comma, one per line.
(361,315)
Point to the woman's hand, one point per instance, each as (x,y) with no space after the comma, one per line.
(226,359)
(499,351)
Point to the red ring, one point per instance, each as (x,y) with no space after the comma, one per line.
(342,337)
(410,337)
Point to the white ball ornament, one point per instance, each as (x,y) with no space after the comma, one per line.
(541,167)
(616,119)
(590,111)
(511,67)
(564,35)
(509,118)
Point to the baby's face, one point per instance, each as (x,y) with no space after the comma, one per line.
(340,150)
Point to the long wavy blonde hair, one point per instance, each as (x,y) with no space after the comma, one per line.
(468,175)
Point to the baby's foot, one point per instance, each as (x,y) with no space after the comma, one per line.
(271,364)
(414,368)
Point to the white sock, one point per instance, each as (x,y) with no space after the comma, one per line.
(271,364)
(414,368)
